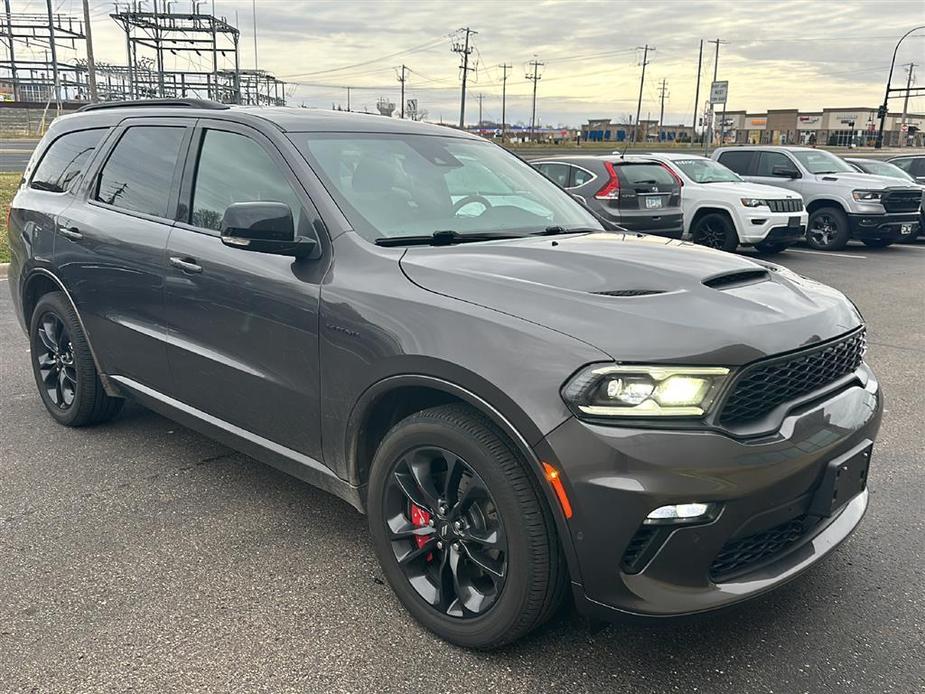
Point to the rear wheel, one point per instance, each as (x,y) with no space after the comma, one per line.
(877,243)
(460,530)
(827,229)
(715,230)
(63,366)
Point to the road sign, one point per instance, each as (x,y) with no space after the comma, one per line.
(718,92)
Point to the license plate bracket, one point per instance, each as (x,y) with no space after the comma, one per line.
(843,479)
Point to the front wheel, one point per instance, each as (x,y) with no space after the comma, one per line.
(715,230)
(63,366)
(877,243)
(460,530)
(828,229)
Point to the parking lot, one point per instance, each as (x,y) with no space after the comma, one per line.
(139,556)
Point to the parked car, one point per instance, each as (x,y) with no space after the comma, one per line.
(636,193)
(885,168)
(842,203)
(913,164)
(721,210)
(525,407)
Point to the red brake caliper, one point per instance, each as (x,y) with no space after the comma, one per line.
(420,519)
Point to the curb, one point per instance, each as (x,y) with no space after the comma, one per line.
(4,267)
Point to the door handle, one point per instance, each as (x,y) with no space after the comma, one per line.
(70,232)
(185,264)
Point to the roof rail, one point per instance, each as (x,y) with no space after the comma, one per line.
(162,103)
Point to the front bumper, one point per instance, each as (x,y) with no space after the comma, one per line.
(615,476)
(774,227)
(884,226)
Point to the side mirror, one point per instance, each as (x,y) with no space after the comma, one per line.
(264,227)
(784,172)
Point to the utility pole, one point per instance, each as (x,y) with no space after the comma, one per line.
(504,67)
(348,99)
(663,92)
(9,29)
(697,95)
(91,64)
(903,131)
(54,56)
(535,76)
(481,96)
(254,15)
(642,81)
(402,79)
(715,73)
(465,50)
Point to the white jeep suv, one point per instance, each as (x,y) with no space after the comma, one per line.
(721,210)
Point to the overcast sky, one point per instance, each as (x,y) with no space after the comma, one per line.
(807,54)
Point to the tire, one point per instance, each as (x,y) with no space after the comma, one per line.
(62,364)
(767,248)
(827,229)
(715,230)
(877,243)
(531,575)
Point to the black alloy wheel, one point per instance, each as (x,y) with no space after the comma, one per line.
(446,532)
(715,231)
(55,358)
(827,230)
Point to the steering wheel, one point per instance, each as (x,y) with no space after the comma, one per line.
(462,202)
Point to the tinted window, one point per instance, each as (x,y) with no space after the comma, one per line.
(737,161)
(645,173)
(580,176)
(556,172)
(64,161)
(918,166)
(139,172)
(234,168)
(768,160)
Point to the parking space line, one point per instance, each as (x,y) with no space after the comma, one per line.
(836,255)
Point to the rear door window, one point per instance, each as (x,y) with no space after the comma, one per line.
(740,162)
(65,160)
(139,174)
(767,161)
(557,172)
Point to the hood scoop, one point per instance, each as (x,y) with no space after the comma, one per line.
(630,292)
(739,278)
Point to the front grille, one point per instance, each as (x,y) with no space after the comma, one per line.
(765,385)
(902,200)
(786,205)
(739,555)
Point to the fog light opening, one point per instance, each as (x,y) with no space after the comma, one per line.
(692,512)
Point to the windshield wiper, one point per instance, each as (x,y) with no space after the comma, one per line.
(444,237)
(556,229)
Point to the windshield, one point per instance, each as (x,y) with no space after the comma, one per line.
(390,185)
(705,171)
(884,168)
(818,161)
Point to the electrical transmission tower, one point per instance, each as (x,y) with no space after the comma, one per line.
(462,46)
(534,76)
(663,93)
(642,80)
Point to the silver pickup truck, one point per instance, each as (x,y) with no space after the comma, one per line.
(842,203)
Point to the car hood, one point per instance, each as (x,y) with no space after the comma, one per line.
(591,287)
(864,181)
(751,190)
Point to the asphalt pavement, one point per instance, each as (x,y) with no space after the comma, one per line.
(140,556)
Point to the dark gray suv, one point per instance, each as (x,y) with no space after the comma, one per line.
(417,321)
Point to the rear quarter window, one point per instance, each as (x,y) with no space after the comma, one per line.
(63,163)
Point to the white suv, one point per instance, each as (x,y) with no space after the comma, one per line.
(721,210)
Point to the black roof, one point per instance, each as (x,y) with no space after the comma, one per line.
(285,118)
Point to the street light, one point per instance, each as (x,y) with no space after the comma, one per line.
(886,95)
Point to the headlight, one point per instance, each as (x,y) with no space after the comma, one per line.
(866,195)
(754,202)
(644,391)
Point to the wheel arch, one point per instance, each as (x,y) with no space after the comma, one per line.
(713,208)
(819,203)
(38,283)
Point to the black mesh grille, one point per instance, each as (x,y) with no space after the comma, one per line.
(738,555)
(631,292)
(636,550)
(786,205)
(902,201)
(762,387)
